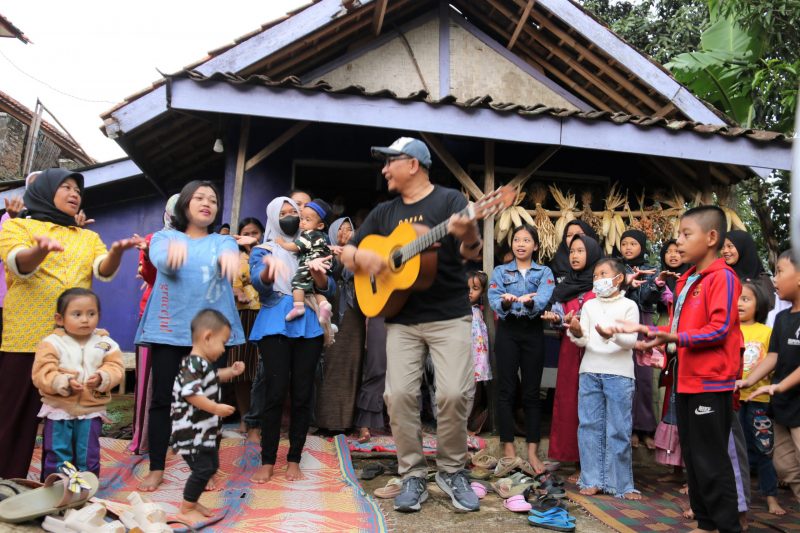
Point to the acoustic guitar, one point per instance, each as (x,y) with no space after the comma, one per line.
(411,260)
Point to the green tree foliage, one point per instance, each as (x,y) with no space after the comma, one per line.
(742,56)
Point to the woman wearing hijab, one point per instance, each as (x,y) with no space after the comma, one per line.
(44,255)
(568,299)
(646,290)
(142,392)
(289,350)
(560,264)
(336,396)
(741,254)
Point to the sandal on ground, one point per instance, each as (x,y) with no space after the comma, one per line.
(371,471)
(392,488)
(507,487)
(555,512)
(505,465)
(517,504)
(198,526)
(479,489)
(552,466)
(480,473)
(553,523)
(12,487)
(542,503)
(89,519)
(484,460)
(145,515)
(59,492)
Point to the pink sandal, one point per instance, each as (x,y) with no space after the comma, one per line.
(479,489)
(517,504)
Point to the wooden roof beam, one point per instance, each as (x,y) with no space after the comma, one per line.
(276,144)
(534,165)
(452,165)
(523,18)
(378,13)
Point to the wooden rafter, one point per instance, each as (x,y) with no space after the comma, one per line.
(275,145)
(378,13)
(452,165)
(534,165)
(238,182)
(523,18)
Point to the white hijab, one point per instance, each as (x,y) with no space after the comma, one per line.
(273,229)
(169,211)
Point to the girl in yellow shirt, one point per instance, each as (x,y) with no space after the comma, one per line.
(44,255)
(753,307)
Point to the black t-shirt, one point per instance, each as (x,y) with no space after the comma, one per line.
(785,341)
(448,297)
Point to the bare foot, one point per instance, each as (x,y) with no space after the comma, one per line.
(192,517)
(649,442)
(574,477)
(364,435)
(774,507)
(242,427)
(533,458)
(293,472)
(684,489)
(634,441)
(590,491)
(151,481)
(632,496)
(688,514)
(216,482)
(254,435)
(205,511)
(509,450)
(263,474)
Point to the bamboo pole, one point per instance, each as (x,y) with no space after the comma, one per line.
(488,267)
(238,183)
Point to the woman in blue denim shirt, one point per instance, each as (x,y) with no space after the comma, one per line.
(518,292)
(290,350)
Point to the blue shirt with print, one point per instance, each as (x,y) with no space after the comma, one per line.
(275,306)
(509,279)
(178,295)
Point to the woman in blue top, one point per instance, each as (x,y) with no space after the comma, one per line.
(290,350)
(195,271)
(519,291)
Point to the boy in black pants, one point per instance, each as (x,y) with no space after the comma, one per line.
(196,411)
(704,331)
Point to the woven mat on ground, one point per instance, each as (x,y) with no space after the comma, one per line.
(386,444)
(661,508)
(329,499)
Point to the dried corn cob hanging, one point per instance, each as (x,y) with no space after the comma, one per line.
(587,215)
(676,207)
(566,204)
(724,200)
(613,225)
(510,218)
(548,237)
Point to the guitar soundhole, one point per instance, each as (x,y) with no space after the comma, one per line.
(397,260)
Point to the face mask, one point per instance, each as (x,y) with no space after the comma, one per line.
(604,287)
(289,225)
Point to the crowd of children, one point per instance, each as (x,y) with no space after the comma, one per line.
(709,319)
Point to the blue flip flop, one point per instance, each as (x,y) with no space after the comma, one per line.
(553,523)
(554,512)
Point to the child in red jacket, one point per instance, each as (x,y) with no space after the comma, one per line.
(704,330)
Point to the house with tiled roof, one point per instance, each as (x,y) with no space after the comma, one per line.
(523,91)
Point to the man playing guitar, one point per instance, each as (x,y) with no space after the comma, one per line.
(435,321)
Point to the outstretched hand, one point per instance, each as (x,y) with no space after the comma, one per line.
(229,265)
(604,332)
(46,244)
(177,253)
(275,268)
(764,389)
(126,244)
(14,206)
(243,240)
(626,326)
(81,220)
(320,264)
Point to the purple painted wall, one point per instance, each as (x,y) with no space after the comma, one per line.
(120,297)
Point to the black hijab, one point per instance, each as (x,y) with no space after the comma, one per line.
(577,282)
(664,266)
(560,263)
(748,266)
(39,196)
(641,238)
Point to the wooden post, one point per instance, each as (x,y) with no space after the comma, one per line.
(378,12)
(452,165)
(238,183)
(33,133)
(488,267)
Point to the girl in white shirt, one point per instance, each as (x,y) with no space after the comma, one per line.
(605,394)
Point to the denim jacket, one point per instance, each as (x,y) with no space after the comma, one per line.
(508,279)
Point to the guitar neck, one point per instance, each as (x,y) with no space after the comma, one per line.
(422,243)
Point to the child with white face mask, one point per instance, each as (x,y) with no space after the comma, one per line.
(605,393)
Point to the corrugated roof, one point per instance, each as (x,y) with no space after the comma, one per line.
(487,102)
(25,115)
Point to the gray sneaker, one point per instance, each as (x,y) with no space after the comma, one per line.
(457,487)
(412,495)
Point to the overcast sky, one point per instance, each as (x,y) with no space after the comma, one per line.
(104,50)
